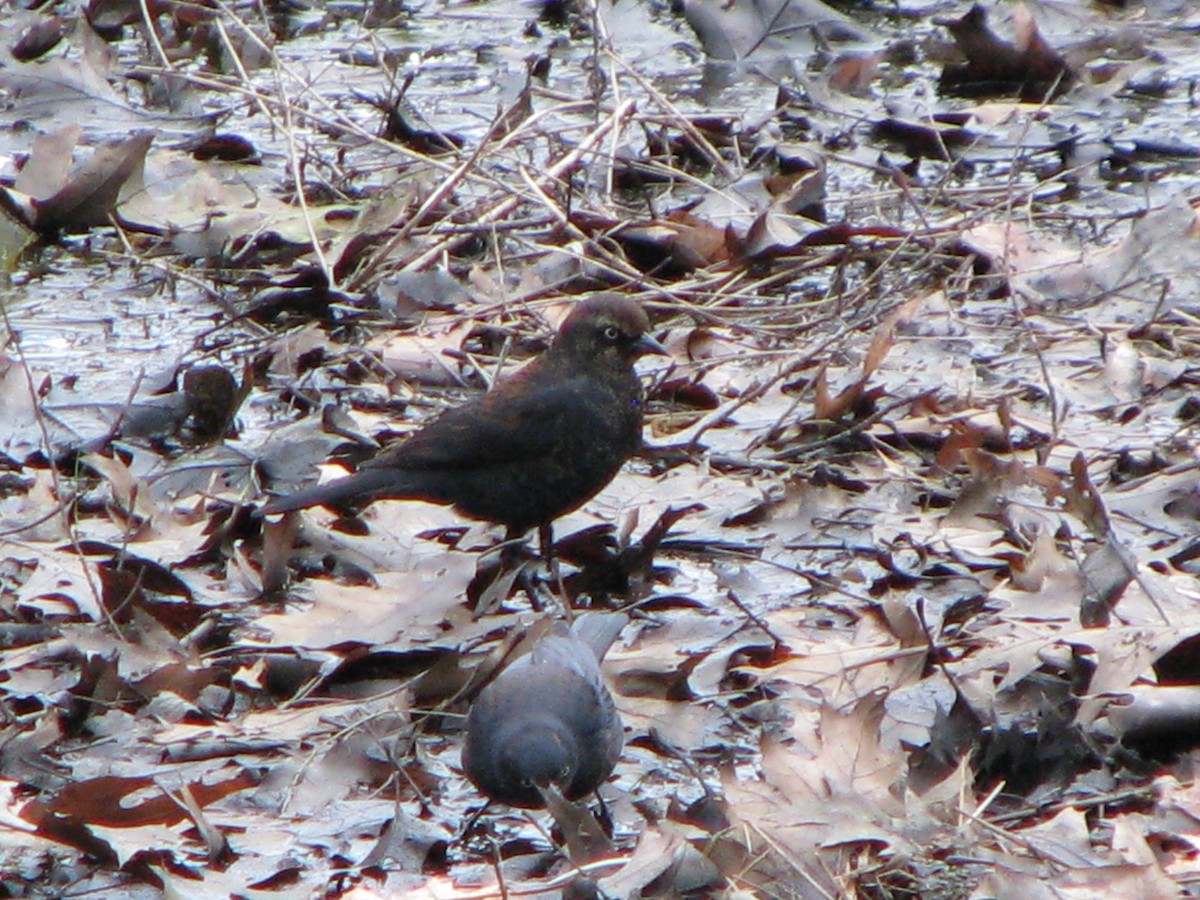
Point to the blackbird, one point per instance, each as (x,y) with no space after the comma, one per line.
(540,444)
(547,720)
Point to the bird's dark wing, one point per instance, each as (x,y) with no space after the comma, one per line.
(506,425)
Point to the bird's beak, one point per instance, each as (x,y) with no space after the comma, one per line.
(647,344)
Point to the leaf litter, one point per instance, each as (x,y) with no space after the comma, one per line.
(911,544)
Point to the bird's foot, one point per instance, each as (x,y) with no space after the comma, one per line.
(499,572)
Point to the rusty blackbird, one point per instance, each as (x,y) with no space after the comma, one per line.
(538,445)
(548,719)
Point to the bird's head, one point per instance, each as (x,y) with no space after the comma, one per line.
(538,757)
(607,330)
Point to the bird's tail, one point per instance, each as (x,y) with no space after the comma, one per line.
(598,629)
(355,490)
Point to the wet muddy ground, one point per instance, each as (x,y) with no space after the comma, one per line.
(910,549)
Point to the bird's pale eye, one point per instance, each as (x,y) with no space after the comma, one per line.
(564,773)
(611,333)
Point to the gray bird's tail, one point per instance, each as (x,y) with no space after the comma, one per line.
(598,629)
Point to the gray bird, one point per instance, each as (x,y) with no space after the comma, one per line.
(548,719)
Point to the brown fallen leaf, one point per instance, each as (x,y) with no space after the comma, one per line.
(116,801)
(994,66)
(89,196)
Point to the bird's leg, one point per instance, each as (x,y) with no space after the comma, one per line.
(469,828)
(510,554)
(546,546)
(526,575)
(498,569)
(604,820)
